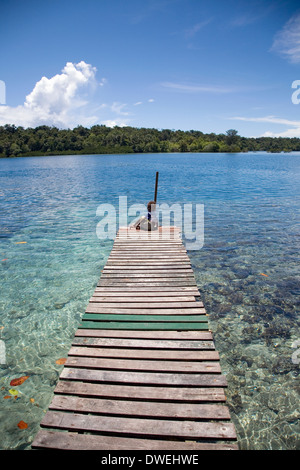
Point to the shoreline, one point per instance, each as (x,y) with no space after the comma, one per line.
(149,153)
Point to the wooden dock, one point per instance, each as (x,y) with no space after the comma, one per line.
(142,372)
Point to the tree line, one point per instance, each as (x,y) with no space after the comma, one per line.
(99,139)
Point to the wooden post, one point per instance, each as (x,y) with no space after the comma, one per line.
(156,182)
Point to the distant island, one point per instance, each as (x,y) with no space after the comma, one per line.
(99,139)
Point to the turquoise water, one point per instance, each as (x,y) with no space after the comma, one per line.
(251,228)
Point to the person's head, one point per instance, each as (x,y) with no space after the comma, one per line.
(151,206)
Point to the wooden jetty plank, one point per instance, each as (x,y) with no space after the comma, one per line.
(145,365)
(147,264)
(144,427)
(163,281)
(145,409)
(182,338)
(115,269)
(144,325)
(173,304)
(135,260)
(154,291)
(148,250)
(144,298)
(152,272)
(150,237)
(141,392)
(161,354)
(75,441)
(150,318)
(142,259)
(151,255)
(136,283)
(149,378)
(93,338)
(148,276)
(94,307)
(151,246)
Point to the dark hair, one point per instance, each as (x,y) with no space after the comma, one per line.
(151,203)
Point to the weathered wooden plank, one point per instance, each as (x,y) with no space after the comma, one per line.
(154,296)
(149,284)
(141,272)
(153,269)
(144,409)
(149,243)
(141,290)
(139,295)
(120,339)
(149,275)
(166,260)
(158,281)
(175,306)
(148,240)
(141,392)
(109,297)
(144,325)
(145,297)
(94,339)
(162,231)
(99,317)
(149,253)
(143,427)
(133,353)
(150,236)
(144,378)
(152,256)
(147,262)
(142,260)
(74,441)
(171,336)
(145,365)
(151,249)
(95,308)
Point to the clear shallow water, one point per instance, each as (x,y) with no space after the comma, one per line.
(252,205)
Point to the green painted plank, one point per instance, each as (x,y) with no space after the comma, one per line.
(143,326)
(145,318)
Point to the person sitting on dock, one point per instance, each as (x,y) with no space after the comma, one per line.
(148,223)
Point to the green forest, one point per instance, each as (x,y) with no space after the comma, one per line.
(99,139)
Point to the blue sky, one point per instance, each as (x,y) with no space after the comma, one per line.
(177,64)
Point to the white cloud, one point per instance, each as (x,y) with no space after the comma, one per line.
(103,82)
(138,103)
(272,119)
(293,131)
(115,122)
(59,100)
(199,88)
(288,133)
(287,40)
(179,87)
(118,108)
